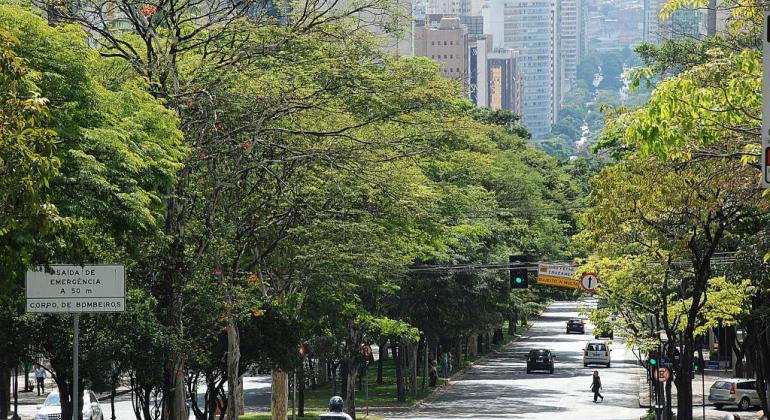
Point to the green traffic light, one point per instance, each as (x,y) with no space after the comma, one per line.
(519,280)
(653,362)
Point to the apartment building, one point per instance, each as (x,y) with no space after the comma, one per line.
(444,41)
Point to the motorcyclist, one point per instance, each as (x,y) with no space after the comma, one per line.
(335,410)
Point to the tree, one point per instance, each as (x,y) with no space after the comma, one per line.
(115,149)
(27,166)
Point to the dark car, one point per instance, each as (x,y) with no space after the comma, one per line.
(540,360)
(576,325)
(604,334)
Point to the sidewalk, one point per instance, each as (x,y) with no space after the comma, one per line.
(700,384)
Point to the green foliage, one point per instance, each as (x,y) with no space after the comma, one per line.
(27,166)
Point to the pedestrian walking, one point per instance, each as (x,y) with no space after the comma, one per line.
(40,379)
(596,385)
(433,373)
(445,364)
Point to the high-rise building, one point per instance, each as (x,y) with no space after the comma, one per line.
(685,23)
(478,82)
(504,81)
(454,7)
(494,76)
(445,42)
(531,28)
(652,30)
(582,30)
(570,34)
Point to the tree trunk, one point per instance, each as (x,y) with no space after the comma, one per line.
(383,356)
(344,367)
(322,367)
(684,383)
(279,400)
(757,349)
(234,385)
(5,392)
(413,367)
(383,350)
(174,400)
(350,389)
(112,400)
(398,358)
(301,391)
(669,408)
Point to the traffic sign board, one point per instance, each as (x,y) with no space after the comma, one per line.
(561,275)
(589,282)
(76,289)
(661,374)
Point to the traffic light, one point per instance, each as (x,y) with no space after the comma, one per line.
(653,360)
(519,278)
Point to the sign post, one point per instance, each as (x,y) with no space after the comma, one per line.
(74,290)
(766,100)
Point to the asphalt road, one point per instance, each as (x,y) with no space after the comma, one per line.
(499,387)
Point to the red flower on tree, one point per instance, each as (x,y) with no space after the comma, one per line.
(149,10)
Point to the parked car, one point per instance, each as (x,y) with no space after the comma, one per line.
(576,325)
(596,353)
(51,408)
(601,333)
(540,359)
(736,391)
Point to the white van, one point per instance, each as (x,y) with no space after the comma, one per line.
(596,353)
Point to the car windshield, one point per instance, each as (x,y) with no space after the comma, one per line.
(722,385)
(52,399)
(596,347)
(574,321)
(538,352)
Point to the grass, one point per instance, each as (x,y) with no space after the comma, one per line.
(383,395)
(379,395)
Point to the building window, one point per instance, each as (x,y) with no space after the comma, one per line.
(458,69)
(444,42)
(451,70)
(451,42)
(433,43)
(451,56)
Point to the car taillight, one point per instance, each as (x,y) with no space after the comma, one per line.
(732,389)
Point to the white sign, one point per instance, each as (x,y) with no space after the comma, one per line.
(766,101)
(557,270)
(72,288)
(589,281)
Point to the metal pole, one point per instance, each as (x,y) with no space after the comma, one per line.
(703,388)
(366,390)
(75,357)
(425,372)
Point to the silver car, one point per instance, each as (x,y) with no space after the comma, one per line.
(596,353)
(740,392)
(51,408)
